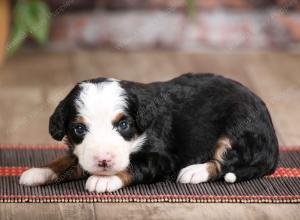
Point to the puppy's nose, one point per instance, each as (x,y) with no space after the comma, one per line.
(104,161)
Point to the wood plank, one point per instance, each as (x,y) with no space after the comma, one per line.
(36,69)
(154,65)
(29,211)
(134,211)
(70,211)
(31,85)
(139,66)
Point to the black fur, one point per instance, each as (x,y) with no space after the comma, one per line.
(61,120)
(57,121)
(183,119)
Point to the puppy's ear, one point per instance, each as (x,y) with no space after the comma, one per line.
(60,117)
(57,122)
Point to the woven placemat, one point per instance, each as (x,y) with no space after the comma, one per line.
(281,187)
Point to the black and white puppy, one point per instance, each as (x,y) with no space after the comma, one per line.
(194,128)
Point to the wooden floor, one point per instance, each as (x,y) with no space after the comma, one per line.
(32,83)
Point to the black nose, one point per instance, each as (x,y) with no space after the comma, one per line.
(103,163)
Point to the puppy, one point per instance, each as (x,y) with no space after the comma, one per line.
(194,128)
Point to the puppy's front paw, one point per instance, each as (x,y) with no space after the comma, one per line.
(37,176)
(101,184)
(196,173)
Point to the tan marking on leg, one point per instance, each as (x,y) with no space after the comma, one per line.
(222,146)
(125,176)
(66,168)
(214,167)
(61,164)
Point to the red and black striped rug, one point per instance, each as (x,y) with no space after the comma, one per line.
(281,187)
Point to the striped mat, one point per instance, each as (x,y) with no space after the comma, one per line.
(281,187)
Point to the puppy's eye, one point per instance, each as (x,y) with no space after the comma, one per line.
(79,129)
(123,125)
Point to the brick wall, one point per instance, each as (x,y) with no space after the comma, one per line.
(215,24)
(178,4)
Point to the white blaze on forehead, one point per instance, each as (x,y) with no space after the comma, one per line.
(100,99)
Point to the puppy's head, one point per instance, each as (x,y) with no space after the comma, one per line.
(97,124)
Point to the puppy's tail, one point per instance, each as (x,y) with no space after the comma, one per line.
(230,177)
(242,173)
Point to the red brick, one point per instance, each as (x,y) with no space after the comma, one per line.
(171,29)
(291,24)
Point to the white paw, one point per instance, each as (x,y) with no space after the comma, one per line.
(37,176)
(197,173)
(101,184)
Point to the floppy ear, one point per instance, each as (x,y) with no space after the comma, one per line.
(57,122)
